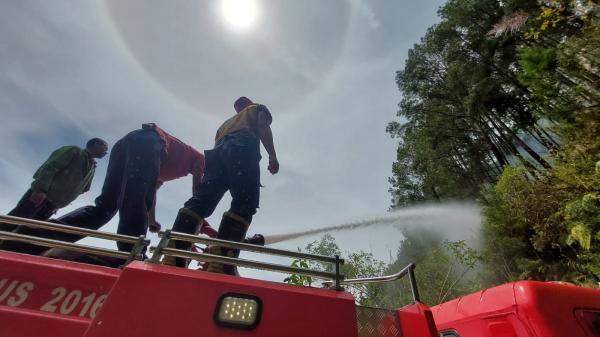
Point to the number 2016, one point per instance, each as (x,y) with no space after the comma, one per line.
(66,302)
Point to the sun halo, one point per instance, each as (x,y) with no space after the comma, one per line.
(239,14)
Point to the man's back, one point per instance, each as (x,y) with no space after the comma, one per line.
(66,174)
(249,118)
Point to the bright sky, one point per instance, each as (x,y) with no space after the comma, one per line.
(71,70)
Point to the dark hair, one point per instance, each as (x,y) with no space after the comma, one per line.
(241,103)
(95,141)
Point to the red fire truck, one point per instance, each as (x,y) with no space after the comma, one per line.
(522,309)
(49,297)
(99,292)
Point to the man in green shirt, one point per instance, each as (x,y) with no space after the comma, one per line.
(65,175)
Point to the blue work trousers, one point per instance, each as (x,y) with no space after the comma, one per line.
(233,165)
(129,188)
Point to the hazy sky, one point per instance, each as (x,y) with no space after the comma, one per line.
(71,70)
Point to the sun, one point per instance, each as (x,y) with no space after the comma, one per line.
(239,14)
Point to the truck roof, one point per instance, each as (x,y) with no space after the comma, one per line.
(542,308)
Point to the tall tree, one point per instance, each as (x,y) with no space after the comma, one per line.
(463,116)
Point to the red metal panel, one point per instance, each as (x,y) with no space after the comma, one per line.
(498,300)
(32,323)
(482,314)
(416,320)
(37,293)
(494,325)
(156,301)
(530,308)
(550,307)
(375,322)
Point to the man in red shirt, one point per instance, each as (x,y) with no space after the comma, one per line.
(139,163)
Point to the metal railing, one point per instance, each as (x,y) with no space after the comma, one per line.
(163,249)
(408,270)
(136,253)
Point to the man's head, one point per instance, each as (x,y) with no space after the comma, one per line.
(96,147)
(242,103)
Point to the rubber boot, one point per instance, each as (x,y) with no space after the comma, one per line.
(256,239)
(233,228)
(186,222)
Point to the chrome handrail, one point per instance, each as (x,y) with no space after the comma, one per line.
(245,263)
(381,279)
(163,248)
(65,245)
(69,229)
(408,270)
(137,252)
(249,247)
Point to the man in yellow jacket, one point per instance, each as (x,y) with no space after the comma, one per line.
(232,165)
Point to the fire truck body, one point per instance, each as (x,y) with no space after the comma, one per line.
(60,298)
(46,297)
(522,309)
(49,297)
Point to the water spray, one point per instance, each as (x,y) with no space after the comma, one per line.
(449,217)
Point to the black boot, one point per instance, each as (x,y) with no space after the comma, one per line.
(256,239)
(186,222)
(233,228)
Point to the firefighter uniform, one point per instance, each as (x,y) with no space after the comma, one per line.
(232,165)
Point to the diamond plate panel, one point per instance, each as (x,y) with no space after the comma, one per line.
(373,322)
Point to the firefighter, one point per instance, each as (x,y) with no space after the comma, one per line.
(139,163)
(233,164)
(64,176)
(206,229)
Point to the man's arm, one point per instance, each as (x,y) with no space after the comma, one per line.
(198,167)
(154,225)
(196,180)
(266,137)
(44,176)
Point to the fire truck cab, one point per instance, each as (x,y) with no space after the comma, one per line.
(49,297)
(522,309)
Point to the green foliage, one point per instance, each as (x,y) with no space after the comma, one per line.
(581,234)
(357,265)
(325,246)
(483,85)
(545,229)
(561,70)
(297,279)
(583,217)
(559,17)
(535,62)
(444,269)
(360,265)
(464,113)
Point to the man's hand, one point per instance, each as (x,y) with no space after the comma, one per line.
(37,197)
(154,226)
(273,165)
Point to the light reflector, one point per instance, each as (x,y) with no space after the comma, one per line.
(238,310)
